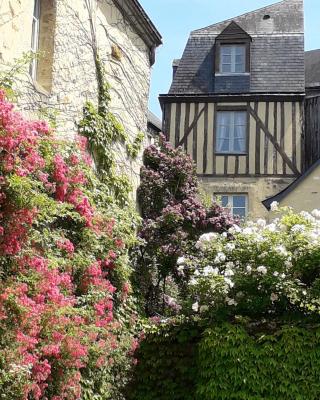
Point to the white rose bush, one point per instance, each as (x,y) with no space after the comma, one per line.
(257,270)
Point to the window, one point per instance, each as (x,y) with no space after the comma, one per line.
(237,203)
(233,59)
(42,42)
(35,38)
(231,131)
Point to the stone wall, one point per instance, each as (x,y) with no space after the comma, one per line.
(257,189)
(66,72)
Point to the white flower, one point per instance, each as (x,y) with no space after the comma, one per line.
(193,282)
(276,273)
(230,246)
(261,222)
(229,282)
(298,228)
(288,263)
(316,213)
(274,297)
(180,270)
(231,302)
(203,309)
(205,239)
(271,227)
(196,273)
(282,276)
(228,272)
(235,229)
(262,270)
(208,270)
(195,306)
(274,206)
(220,257)
(248,269)
(247,231)
(181,261)
(281,250)
(308,217)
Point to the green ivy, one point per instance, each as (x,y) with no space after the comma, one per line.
(229,362)
(104,132)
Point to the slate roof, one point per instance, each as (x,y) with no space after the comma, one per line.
(277,52)
(154,121)
(312,59)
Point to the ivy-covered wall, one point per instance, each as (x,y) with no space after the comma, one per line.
(229,361)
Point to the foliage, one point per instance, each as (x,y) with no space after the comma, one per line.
(259,270)
(235,364)
(173,219)
(104,133)
(167,362)
(10,72)
(188,359)
(66,313)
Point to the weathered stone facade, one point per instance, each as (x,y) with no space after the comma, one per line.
(66,75)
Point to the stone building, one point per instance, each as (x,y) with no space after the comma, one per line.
(237,104)
(63,77)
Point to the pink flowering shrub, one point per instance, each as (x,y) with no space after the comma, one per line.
(173,219)
(63,272)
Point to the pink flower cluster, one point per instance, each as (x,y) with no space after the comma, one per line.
(50,335)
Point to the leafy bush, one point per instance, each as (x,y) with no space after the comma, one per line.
(65,304)
(173,219)
(189,360)
(259,270)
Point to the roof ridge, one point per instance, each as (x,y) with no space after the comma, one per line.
(239,16)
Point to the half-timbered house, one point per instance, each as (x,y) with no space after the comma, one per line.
(236,105)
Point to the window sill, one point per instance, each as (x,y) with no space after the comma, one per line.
(232,74)
(229,154)
(39,88)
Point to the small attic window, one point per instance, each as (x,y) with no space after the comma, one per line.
(267,16)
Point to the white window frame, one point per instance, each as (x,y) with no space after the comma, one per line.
(230,204)
(232,130)
(233,62)
(35,37)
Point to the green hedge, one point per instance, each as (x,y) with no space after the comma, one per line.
(228,362)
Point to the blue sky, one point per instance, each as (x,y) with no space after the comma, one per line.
(175,19)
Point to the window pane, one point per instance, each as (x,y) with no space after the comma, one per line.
(239,146)
(226,50)
(226,68)
(239,201)
(239,212)
(240,50)
(224,201)
(226,59)
(239,68)
(240,118)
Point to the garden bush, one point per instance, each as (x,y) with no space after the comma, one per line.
(66,311)
(197,360)
(174,216)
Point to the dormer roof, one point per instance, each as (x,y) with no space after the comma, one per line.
(277,52)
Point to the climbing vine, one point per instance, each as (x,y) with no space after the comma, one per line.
(104,132)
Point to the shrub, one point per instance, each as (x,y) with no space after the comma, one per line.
(259,270)
(173,219)
(65,304)
(199,360)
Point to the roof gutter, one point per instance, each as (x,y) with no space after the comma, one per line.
(142,24)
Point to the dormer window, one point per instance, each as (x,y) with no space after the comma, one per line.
(233,59)
(232,51)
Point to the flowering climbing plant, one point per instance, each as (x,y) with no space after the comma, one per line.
(64,274)
(259,270)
